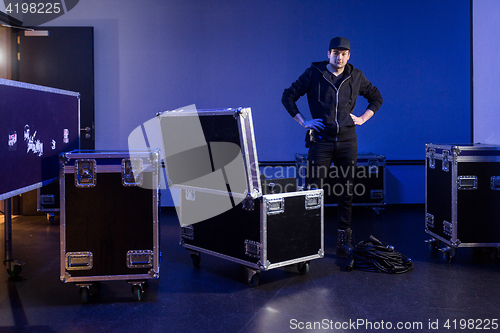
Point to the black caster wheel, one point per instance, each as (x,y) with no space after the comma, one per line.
(51,218)
(195,257)
(84,294)
(303,267)
(448,254)
(15,271)
(433,244)
(253,277)
(137,291)
(14,267)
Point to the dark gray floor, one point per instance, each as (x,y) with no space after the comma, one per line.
(216,298)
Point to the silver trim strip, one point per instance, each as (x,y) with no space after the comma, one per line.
(38,87)
(220,255)
(65,278)
(294,261)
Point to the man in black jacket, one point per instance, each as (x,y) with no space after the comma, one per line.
(332,87)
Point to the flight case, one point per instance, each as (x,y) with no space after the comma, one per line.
(462,201)
(48,200)
(223,211)
(369,187)
(109,218)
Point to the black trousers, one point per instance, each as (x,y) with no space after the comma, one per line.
(344,156)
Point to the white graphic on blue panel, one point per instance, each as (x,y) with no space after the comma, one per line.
(66,135)
(33,144)
(12,141)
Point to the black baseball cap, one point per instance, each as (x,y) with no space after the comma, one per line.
(340,43)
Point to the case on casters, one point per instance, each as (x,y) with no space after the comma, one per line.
(109,218)
(223,210)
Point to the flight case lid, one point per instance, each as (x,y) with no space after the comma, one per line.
(211,150)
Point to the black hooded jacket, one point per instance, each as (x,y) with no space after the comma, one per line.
(330,104)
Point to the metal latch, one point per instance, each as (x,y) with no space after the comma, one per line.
(252,249)
(376,194)
(432,158)
(79,260)
(188,232)
(85,173)
(241,112)
(373,167)
(275,206)
(467,182)
(140,259)
(446,162)
(429,220)
(313,201)
(448,228)
(132,172)
(47,199)
(495,182)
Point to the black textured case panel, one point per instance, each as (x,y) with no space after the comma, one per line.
(295,233)
(109,220)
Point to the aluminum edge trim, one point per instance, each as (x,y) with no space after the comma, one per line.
(322,221)
(295,194)
(108,154)
(294,261)
(263,232)
(207,190)
(442,239)
(156,221)
(426,187)
(361,204)
(21,191)
(478,158)
(200,112)
(254,149)
(62,215)
(223,256)
(479,245)
(31,86)
(79,125)
(454,197)
(179,214)
(131,277)
(246,154)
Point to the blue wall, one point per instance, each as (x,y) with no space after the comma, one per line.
(486,48)
(161,55)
